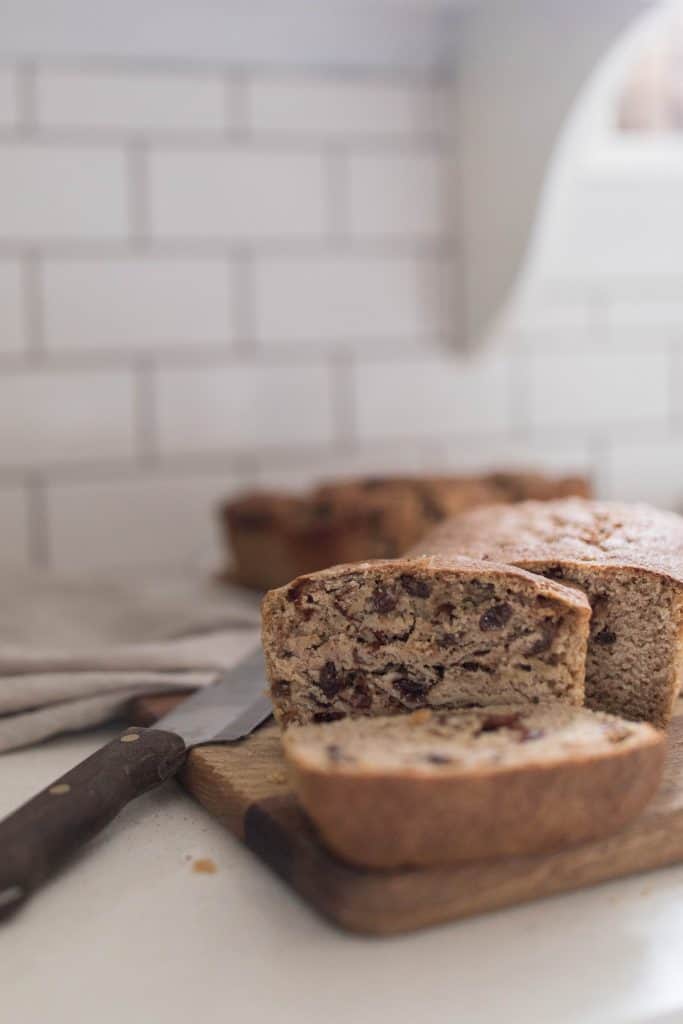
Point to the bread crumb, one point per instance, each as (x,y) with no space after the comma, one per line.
(277,777)
(204,866)
(423,715)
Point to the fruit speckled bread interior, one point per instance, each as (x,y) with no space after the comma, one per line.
(390,636)
(439,787)
(628,559)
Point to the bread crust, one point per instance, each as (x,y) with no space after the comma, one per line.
(571,531)
(389,568)
(397,819)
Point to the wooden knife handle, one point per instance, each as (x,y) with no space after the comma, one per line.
(36,839)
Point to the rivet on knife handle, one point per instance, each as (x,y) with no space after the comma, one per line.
(37,838)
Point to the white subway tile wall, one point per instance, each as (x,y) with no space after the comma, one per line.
(129,304)
(9,103)
(236,193)
(61,416)
(216,277)
(333,299)
(123,102)
(241,408)
(395,195)
(62,191)
(165,521)
(12,307)
(601,388)
(433,397)
(649,466)
(339,108)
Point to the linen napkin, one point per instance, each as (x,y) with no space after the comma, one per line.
(73,653)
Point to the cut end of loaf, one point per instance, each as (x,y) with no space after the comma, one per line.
(442,787)
(441,743)
(386,637)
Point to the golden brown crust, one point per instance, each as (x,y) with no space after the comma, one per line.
(572,530)
(436,565)
(398,819)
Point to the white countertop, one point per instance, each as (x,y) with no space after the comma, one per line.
(130,933)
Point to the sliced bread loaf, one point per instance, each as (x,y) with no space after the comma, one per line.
(628,559)
(384,637)
(439,787)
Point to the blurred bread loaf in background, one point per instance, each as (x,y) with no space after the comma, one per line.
(273,536)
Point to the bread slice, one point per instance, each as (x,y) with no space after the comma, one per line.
(439,787)
(385,637)
(628,559)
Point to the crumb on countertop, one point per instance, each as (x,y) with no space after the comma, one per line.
(204,866)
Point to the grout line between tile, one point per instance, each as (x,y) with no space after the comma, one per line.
(282,248)
(138,191)
(34,309)
(243,301)
(27,98)
(519,392)
(221,142)
(343,400)
(145,414)
(192,67)
(237,106)
(338,195)
(37,520)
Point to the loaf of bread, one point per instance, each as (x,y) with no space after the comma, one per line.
(432,498)
(527,485)
(387,637)
(440,787)
(274,537)
(628,560)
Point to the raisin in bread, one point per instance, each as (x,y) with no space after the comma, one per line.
(384,637)
(275,537)
(439,787)
(628,559)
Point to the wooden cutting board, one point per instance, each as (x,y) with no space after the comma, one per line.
(244,786)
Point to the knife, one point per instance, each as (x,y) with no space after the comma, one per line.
(36,839)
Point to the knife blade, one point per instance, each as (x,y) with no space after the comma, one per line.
(42,834)
(227,710)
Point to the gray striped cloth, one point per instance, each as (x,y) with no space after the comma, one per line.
(74,653)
